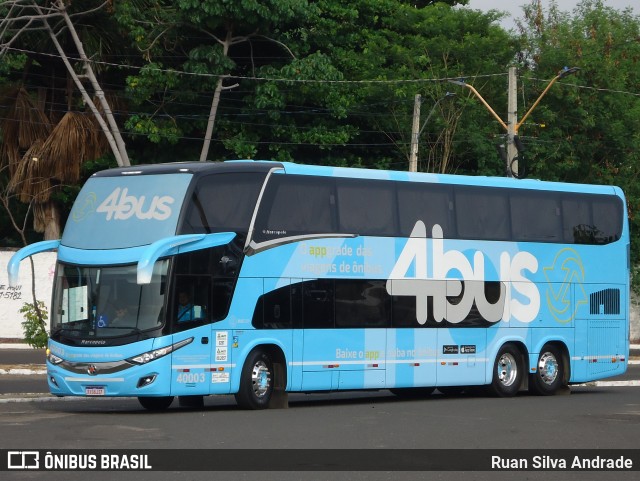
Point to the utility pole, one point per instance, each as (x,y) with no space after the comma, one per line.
(512,125)
(415,132)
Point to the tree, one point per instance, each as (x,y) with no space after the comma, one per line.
(53,17)
(45,149)
(396,51)
(289,61)
(207,43)
(592,120)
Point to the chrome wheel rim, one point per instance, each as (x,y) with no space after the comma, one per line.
(260,379)
(507,369)
(548,368)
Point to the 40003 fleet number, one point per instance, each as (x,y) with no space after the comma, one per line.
(190,377)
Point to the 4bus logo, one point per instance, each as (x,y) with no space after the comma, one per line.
(119,205)
(567,265)
(82,209)
(519,297)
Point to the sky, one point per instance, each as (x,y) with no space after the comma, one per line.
(514,7)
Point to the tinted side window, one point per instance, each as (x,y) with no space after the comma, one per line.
(296,205)
(222,203)
(576,221)
(191,302)
(430,203)
(607,219)
(535,216)
(404,312)
(482,214)
(366,207)
(318,304)
(593,219)
(273,310)
(362,303)
(205,285)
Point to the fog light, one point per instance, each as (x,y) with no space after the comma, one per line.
(52,380)
(145,381)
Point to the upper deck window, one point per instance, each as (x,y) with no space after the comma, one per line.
(295,205)
(367,207)
(222,203)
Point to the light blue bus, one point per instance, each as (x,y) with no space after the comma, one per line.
(259,278)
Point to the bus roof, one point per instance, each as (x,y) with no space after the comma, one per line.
(203,168)
(195,168)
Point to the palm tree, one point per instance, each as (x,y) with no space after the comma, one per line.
(43,147)
(41,156)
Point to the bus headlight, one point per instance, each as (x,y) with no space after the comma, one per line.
(149,356)
(53,359)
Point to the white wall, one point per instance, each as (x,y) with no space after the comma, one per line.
(12,299)
(635,319)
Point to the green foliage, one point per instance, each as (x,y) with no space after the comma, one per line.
(333,82)
(11,62)
(34,324)
(591,120)
(307,112)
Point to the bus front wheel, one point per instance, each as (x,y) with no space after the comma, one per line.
(256,381)
(507,372)
(156,403)
(549,375)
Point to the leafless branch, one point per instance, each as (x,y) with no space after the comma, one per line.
(58,11)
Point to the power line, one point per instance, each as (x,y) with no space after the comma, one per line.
(586,87)
(261,79)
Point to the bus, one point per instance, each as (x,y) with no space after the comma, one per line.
(260,278)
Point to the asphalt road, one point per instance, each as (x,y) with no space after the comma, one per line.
(12,356)
(591,418)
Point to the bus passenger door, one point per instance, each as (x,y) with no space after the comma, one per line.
(344,334)
(411,347)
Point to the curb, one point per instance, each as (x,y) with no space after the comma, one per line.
(23,369)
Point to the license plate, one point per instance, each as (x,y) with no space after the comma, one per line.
(94,390)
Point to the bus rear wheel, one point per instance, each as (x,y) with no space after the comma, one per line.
(156,403)
(507,372)
(256,381)
(549,375)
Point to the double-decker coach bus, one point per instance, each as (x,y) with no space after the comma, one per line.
(259,278)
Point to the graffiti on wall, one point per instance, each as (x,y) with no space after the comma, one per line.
(12,298)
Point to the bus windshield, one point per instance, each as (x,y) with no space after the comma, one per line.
(120,212)
(102,302)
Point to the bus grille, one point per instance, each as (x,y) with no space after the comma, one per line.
(606,301)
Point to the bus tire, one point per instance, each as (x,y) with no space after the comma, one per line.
(155,403)
(256,381)
(507,372)
(549,375)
